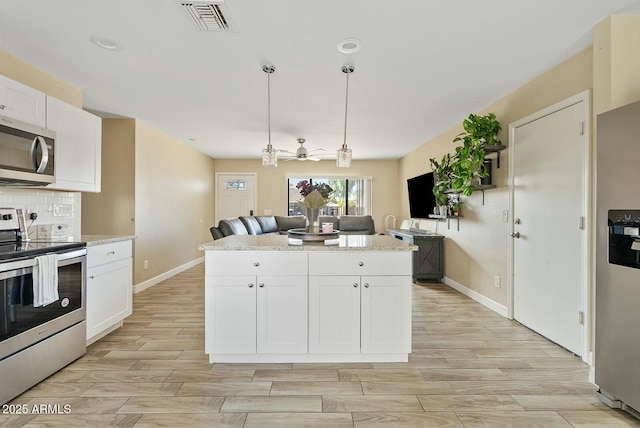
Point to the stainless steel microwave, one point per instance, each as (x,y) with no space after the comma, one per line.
(27,154)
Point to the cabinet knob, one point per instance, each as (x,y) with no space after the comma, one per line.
(361,264)
(250,285)
(366,285)
(256,264)
(355,285)
(261,285)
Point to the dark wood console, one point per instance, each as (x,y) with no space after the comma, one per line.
(428,261)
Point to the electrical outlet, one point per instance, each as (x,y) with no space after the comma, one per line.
(496,281)
(146,264)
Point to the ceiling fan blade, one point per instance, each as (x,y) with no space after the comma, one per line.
(316,150)
(313,158)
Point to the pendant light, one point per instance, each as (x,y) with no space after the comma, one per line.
(343,159)
(269,155)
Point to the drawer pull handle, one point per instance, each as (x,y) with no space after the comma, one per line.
(366,285)
(250,285)
(111,252)
(91,277)
(261,285)
(361,264)
(256,264)
(355,285)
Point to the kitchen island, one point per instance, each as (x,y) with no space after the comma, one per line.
(269,298)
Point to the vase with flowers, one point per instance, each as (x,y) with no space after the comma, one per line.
(314,197)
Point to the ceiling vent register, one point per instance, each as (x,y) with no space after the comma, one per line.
(208,15)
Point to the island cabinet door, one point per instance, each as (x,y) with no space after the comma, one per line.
(282,314)
(334,314)
(230,314)
(386,314)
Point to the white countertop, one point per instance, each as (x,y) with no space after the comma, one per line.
(283,243)
(92,240)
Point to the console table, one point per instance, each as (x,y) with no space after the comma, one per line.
(428,261)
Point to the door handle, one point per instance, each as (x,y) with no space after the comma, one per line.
(516,235)
(517,221)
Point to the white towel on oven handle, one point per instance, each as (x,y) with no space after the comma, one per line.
(45,280)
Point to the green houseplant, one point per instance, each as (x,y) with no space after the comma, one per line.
(442,174)
(485,129)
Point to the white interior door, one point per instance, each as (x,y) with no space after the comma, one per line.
(548,172)
(235,195)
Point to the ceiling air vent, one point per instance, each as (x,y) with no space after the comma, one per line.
(208,15)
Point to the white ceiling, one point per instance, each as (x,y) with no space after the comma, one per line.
(424,64)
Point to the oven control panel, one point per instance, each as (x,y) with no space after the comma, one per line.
(8,219)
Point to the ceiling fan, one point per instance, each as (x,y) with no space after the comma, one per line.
(302,154)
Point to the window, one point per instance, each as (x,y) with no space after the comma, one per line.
(351,196)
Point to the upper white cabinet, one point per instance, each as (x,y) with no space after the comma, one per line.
(78,146)
(21,102)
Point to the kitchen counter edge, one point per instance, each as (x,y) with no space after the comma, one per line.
(93,240)
(282,243)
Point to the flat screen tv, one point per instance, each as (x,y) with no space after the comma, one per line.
(422,201)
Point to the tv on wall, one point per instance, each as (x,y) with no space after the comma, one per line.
(422,201)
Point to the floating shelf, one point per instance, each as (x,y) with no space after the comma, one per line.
(495,148)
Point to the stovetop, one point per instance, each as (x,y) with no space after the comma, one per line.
(21,250)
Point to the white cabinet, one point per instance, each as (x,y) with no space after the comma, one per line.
(109,287)
(307,306)
(78,147)
(264,310)
(22,102)
(368,313)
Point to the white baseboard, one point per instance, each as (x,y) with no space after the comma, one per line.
(157,279)
(483,300)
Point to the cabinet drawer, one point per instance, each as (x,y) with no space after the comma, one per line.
(360,263)
(256,263)
(107,253)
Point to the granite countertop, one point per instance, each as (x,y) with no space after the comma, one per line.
(92,240)
(283,243)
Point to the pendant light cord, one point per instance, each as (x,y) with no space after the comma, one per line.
(346,105)
(269,108)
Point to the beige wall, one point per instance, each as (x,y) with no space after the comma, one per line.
(272,182)
(157,188)
(16,69)
(173,204)
(112,211)
(616,62)
(478,252)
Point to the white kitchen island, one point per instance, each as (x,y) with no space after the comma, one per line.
(272,299)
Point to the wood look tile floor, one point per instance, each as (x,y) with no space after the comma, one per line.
(469,368)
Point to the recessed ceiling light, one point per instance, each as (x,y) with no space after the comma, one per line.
(349,46)
(106,43)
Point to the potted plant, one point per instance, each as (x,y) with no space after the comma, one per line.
(442,172)
(479,132)
(482,128)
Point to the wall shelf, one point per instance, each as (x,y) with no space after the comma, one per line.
(495,148)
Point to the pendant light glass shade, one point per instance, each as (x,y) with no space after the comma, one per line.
(269,154)
(343,158)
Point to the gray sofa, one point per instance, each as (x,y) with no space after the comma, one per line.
(262,225)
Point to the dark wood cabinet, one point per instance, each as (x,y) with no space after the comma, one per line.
(428,261)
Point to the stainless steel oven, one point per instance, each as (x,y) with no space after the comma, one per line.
(38,340)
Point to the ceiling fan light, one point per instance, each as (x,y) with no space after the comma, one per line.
(343,158)
(269,157)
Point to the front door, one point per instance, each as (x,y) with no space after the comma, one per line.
(235,195)
(549,192)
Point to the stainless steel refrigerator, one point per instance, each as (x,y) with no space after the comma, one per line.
(617,322)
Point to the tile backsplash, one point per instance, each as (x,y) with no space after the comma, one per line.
(57,211)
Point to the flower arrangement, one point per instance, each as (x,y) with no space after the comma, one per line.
(314,195)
